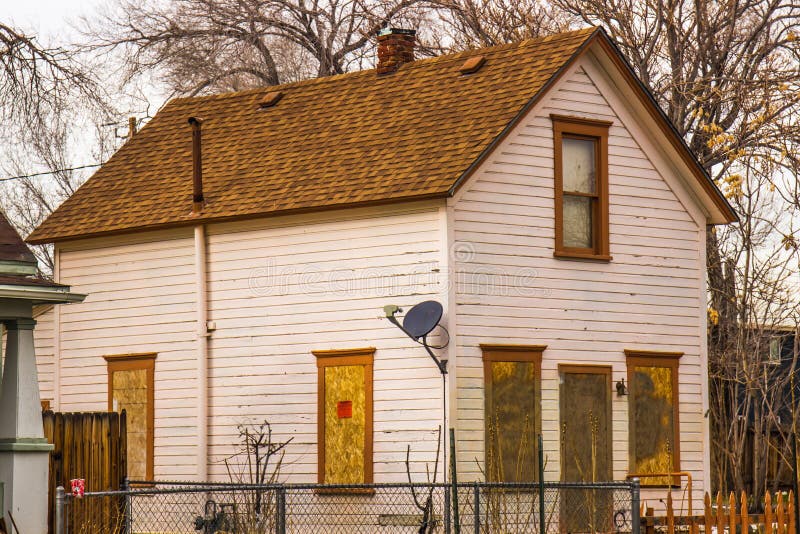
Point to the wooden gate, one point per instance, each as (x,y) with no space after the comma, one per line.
(91,446)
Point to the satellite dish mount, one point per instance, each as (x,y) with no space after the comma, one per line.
(418,323)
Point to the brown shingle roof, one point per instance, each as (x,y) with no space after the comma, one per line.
(28,281)
(353,139)
(12,247)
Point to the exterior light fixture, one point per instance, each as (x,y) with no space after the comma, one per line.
(622,389)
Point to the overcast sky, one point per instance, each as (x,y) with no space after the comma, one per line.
(53,23)
(49,19)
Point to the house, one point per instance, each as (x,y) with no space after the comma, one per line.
(24,451)
(760,411)
(238,252)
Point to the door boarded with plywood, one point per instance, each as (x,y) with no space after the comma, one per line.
(585,424)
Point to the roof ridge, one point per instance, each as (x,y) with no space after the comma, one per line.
(12,247)
(417,63)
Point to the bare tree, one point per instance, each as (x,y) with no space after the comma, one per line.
(40,89)
(30,197)
(216,45)
(35,81)
(726,73)
(466,24)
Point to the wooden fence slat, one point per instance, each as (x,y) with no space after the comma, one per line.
(651,526)
(670,515)
(727,516)
(91,446)
(744,514)
(767,513)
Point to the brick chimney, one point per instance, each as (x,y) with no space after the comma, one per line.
(395,47)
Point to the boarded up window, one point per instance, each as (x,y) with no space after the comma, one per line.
(345,416)
(130,388)
(512,413)
(653,405)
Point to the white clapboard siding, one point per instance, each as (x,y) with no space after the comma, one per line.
(511,290)
(141,298)
(45,350)
(283,288)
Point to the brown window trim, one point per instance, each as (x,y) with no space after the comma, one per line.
(512,353)
(653,358)
(581,128)
(132,362)
(332,358)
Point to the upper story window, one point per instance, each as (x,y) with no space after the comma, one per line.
(581,187)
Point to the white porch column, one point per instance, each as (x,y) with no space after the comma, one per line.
(24,453)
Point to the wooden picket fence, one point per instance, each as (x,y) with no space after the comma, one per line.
(721,514)
(91,446)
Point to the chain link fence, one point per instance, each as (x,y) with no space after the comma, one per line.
(475,508)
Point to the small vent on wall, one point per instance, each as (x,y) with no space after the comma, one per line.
(270,99)
(472,64)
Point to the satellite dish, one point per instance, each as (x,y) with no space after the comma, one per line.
(422,318)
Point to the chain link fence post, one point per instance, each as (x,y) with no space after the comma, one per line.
(280,510)
(635,510)
(128,512)
(477,508)
(446,513)
(60,510)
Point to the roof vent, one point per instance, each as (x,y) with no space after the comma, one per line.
(270,99)
(472,64)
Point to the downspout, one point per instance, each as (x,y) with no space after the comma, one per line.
(57,334)
(201,291)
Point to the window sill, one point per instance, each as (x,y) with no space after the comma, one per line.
(588,256)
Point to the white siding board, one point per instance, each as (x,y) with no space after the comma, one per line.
(140,299)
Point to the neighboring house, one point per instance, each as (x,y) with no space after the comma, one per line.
(776,389)
(534,189)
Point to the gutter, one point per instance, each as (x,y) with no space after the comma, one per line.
(40,295)
(201,295)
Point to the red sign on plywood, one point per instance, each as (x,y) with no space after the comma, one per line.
(344,409)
